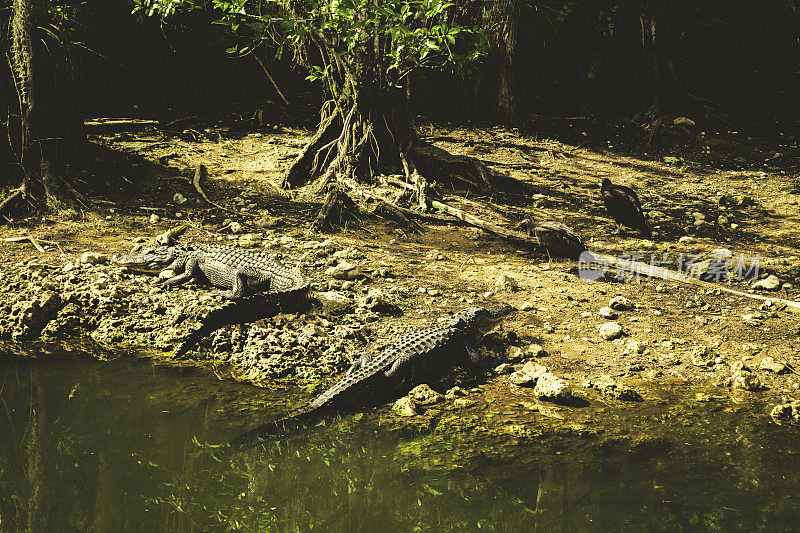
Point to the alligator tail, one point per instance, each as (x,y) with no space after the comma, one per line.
(300,419)
(241,311)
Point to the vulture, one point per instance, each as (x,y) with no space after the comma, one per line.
(623,205)
(557,238)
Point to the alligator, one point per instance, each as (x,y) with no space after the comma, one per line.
(227,267)
(259,286)
(419,356)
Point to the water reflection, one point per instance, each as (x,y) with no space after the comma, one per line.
(88,446)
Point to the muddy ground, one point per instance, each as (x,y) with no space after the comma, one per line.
(706,193)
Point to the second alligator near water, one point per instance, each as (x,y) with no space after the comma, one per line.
(419,356)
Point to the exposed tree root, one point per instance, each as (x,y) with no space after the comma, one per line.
(392,212)
(337,206)
(304,166)
(9,205)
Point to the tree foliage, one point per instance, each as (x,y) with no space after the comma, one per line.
(344,43)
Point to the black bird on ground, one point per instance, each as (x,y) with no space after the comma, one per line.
(557,238)
(622,203)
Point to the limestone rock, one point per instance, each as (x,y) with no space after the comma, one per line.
(506,283)
(770,283)
(746,380)
(614,389)
(786,413)
(611,330)
(620,303)
(521,379)
(607,312)
(550,387)
(424,395)
(93,258)
(771,365)
(404,407)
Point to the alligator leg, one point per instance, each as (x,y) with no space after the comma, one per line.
(246,282)
(190,271)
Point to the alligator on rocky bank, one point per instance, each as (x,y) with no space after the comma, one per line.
(258,284)
(419,356)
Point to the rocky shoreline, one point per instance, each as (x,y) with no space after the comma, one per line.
(361,302)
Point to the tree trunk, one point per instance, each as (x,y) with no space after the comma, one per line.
(505,18)
(49,134)
(667,97)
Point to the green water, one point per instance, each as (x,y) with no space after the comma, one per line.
(111,446)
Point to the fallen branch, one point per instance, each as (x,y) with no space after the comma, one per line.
(171,235)
(201,173)
(34,241)
(653,271)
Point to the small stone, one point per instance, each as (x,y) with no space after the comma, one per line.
(94,258)
(235,228)
(514,353)
(404,407)
(424,395)
(268,222)
(550,387)
(179,199)
(607,312)
(249,240)
(770,283)
(504,368)
(746,380)
(335,301)
(751,347)
(166,274)
(535,350)
(611,330)
(488,294)
(635,347)
(787,412)
(701,356)
(614,389)
(739,366)
(526,306)
(345,271)
(670,160)
(722,220)
(721,254)
(463,402)
(69,266)
(454,393)
(154,219)
(753,319)
(434,292)
(771,365)
(506,283)
(686,239)
(620,303)
(534,369)
(521,379)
